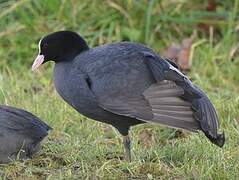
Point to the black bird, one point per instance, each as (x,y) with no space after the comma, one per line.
(125,84)
(20,134)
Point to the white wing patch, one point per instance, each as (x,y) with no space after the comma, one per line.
(176,70)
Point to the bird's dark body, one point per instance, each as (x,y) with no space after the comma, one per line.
(116,73)
(125,84)
(19,130)
(103,70)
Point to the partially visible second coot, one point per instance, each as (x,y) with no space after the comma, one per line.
(20,134)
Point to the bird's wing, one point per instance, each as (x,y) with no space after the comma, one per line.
(23,122)
(204,111)
(160,103)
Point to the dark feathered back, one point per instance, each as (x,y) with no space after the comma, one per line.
(23,122)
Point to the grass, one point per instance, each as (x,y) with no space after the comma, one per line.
(79,148)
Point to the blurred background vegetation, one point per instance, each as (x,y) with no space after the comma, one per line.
(80,148)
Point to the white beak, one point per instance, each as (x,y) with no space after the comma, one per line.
(38,61)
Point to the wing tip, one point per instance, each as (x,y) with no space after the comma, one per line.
(207,116)
(219,140)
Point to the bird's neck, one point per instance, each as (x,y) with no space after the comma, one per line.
(71,56)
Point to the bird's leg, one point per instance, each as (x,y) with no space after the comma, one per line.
(126,142)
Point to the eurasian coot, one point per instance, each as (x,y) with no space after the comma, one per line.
(125,84)
(20,133)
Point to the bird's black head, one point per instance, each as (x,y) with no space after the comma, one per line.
(59,46)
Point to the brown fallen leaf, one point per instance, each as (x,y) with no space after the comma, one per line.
(172,51)
(180,54)
(184,54)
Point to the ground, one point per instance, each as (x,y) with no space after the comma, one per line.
(80,148)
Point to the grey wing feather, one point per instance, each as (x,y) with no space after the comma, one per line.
(164,107)
(168,108)
(135,107)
